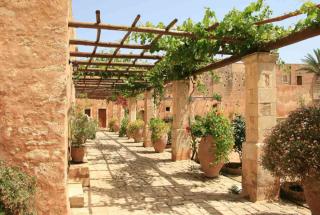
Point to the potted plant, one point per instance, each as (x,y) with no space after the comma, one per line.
(196,131)
(292,150)
(159,135)
(239,134)
(292,190)
(123,126)
(216,143)
(113,125)
(135,130)
(82,128)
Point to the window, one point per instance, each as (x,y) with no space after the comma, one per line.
(299,80)
(168,109)
(87,112)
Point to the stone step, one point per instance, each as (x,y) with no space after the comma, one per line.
(76,196)
(80,211)
(79,173)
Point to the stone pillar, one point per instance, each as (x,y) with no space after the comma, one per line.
(132,109)
(181,112)
(260,114)
(35,95)
(148,114)
(120,114)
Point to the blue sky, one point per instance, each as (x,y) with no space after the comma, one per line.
(122,12)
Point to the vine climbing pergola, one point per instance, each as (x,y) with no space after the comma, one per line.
(102,73)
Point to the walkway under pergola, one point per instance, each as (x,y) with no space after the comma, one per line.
(126,178)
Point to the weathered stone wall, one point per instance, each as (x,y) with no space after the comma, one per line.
(34,75)
(232,89)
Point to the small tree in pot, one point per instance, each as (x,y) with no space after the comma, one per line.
(123,126)
(82,128)
(159,136)
(135,130)
(293,151)
(216,143)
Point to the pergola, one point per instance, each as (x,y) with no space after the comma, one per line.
(260,87)
(101,78)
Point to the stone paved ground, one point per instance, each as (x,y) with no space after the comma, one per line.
(127,178)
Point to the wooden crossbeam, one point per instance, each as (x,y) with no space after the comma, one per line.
(119,64)
(171,24)
(105,55)
(282,42)
(110,71)
(108,44)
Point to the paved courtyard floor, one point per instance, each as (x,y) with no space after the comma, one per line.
(127,178)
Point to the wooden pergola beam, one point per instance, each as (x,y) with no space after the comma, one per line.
(120,64)
(110,71)
(105,55)
(282,42)
(108,44)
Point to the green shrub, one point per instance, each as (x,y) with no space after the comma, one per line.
(239,133)
(219,127)
(134,126)
(123,126)
(17,191)
(82,128)
(111,124)
(293,147)
(158,128)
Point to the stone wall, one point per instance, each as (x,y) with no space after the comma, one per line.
(232,89)
(34,95)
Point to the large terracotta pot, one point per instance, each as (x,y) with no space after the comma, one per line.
(77,154)
(206,152)
(292,191)
(138,135)
(160,144)
(312,193)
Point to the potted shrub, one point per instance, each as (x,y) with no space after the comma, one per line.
(17,191)
(135,130)
(123,126)
(239,134)
(159,135)
(113,125)
(292,150)
(82,128)
(216,143)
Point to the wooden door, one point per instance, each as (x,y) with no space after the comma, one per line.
(102,115)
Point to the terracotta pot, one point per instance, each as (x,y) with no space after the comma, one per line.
(292,191)
(116,128)
(77,154)
(232,168)
(206,153)
(160,144)
(312,193)
(138,135)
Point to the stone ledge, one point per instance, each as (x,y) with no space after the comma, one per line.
(79,211)
(76,196)
(79,173)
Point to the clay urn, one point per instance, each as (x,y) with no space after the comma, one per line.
(77,154)
(138,135)
(206,153)
(160,144)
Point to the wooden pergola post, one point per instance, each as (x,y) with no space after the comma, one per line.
(181,112)
(260,114)
(132,105)
(149,111)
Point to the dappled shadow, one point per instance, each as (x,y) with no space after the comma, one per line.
(138,183)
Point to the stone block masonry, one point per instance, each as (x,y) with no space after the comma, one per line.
(34,95)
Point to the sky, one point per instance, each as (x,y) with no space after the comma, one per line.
(123,12)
